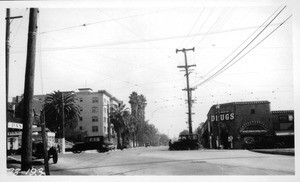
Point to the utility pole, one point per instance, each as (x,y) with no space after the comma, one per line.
(63,142)
(45,140)
(188,89)
(26,160)
(7,52)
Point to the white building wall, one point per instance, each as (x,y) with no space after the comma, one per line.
(85,102)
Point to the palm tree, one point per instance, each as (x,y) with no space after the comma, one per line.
(117,117)
(53,110)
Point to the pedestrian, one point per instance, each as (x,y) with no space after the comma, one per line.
(170,143)
(58,148)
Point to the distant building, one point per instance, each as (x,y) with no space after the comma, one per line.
(246,125)
(283,126)
(94,110)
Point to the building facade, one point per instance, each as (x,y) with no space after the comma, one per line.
(94,113)
(244,125)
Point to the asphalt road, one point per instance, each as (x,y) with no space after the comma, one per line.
(160,161)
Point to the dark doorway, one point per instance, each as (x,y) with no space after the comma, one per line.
(224,138)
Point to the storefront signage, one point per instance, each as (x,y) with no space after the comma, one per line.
(16,133)
(222,117)
(15,125)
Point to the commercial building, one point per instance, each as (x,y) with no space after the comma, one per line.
(247,125)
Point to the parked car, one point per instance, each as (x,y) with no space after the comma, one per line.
(186,142)
(93,145)
(37,152)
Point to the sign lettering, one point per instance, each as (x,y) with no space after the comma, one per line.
(222,117)
(15,125)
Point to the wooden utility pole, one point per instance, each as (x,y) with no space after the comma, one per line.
(7,52)
(45,141)
(63,142)
(188,89)
(26,159)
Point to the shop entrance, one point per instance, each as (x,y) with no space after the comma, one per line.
(224,136)
(224,139)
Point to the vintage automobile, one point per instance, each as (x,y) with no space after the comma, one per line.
(37,152)
(93,145)
(186,142)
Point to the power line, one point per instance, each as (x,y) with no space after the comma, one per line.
(192,27)
(104,21)
(243,42)
(220,71)
(245,46)
(139,41)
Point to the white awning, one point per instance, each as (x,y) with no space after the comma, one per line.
(284,133)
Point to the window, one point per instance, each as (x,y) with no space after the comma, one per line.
(104,100)
(105,119)
(105,130)
(81,99)
(95,100)
(80,127)
(252,111)
(286,126)
(104,110)
(81,109)
(94,128)
(80,118)
(95,119)
(94,109)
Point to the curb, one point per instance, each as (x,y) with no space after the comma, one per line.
(290,152)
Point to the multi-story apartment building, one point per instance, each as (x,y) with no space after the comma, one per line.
(94,113)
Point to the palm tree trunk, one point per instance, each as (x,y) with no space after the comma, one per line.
(119,139)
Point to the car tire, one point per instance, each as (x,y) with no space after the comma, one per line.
(55,157)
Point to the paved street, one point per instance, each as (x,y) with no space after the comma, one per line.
(160,161)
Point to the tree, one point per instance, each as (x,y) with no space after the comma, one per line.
(53,111)
(117,117)
(138,105)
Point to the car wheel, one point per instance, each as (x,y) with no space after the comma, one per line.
(55,158)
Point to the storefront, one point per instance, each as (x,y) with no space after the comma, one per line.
(237,125)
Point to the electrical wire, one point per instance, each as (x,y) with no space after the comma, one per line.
(104,21)
(220,71)
(243,42)
(192,28)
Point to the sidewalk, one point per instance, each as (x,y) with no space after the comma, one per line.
(288,151)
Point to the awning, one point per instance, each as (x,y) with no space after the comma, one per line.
(39,129)
(254,132)
(284,133)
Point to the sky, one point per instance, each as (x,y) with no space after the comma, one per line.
(122,49)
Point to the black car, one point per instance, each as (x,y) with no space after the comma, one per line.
(186,142)
(92,145)
(37,152)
